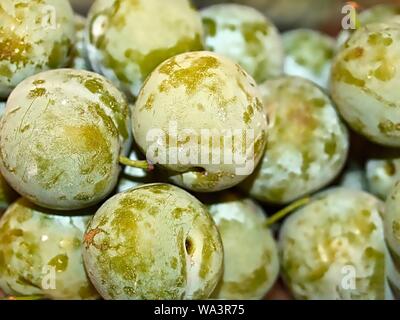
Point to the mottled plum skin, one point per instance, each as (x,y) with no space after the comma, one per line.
(200,91)
(338,233)
(35,35)
(377,13)
(7,194)
(41,253)
(127,39)
(391,220)
(363,81)
(61,136)
(154,241)
(382,175)
(308,54)
(246,36)
(307,142)
(251,263)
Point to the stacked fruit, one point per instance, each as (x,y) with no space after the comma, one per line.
(202,102)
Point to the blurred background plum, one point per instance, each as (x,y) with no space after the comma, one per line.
(286,14)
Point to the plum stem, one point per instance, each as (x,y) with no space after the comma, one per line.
(285,211)
(141,164)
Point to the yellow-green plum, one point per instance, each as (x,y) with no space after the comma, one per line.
(392,233)
(35,35)
(377,13)
(61,137)
(392,226)
(155,241)
(290,13)
(334,248)
(308,54)
(80,58)
(127,39)
(307,142)
(246,36)
(251,264)
(41,253)
(187,106)
(7,194)
(382,174)
(363,79)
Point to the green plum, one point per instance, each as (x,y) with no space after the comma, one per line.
(246,36)
(154,241)
(187,106)
(7,194)
(35,35)
(251,263)
(382,174)
(61,137)
(307,143)
(363,79)
(127,39)
(377,13)
(334,248)
(392,234)
(309,54)
(41,253)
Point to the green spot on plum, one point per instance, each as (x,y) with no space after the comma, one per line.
(5,71)
(36,93)
(210,27)
(396,229)
(192,77)
(59,53)
(60,262)
(330,147)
